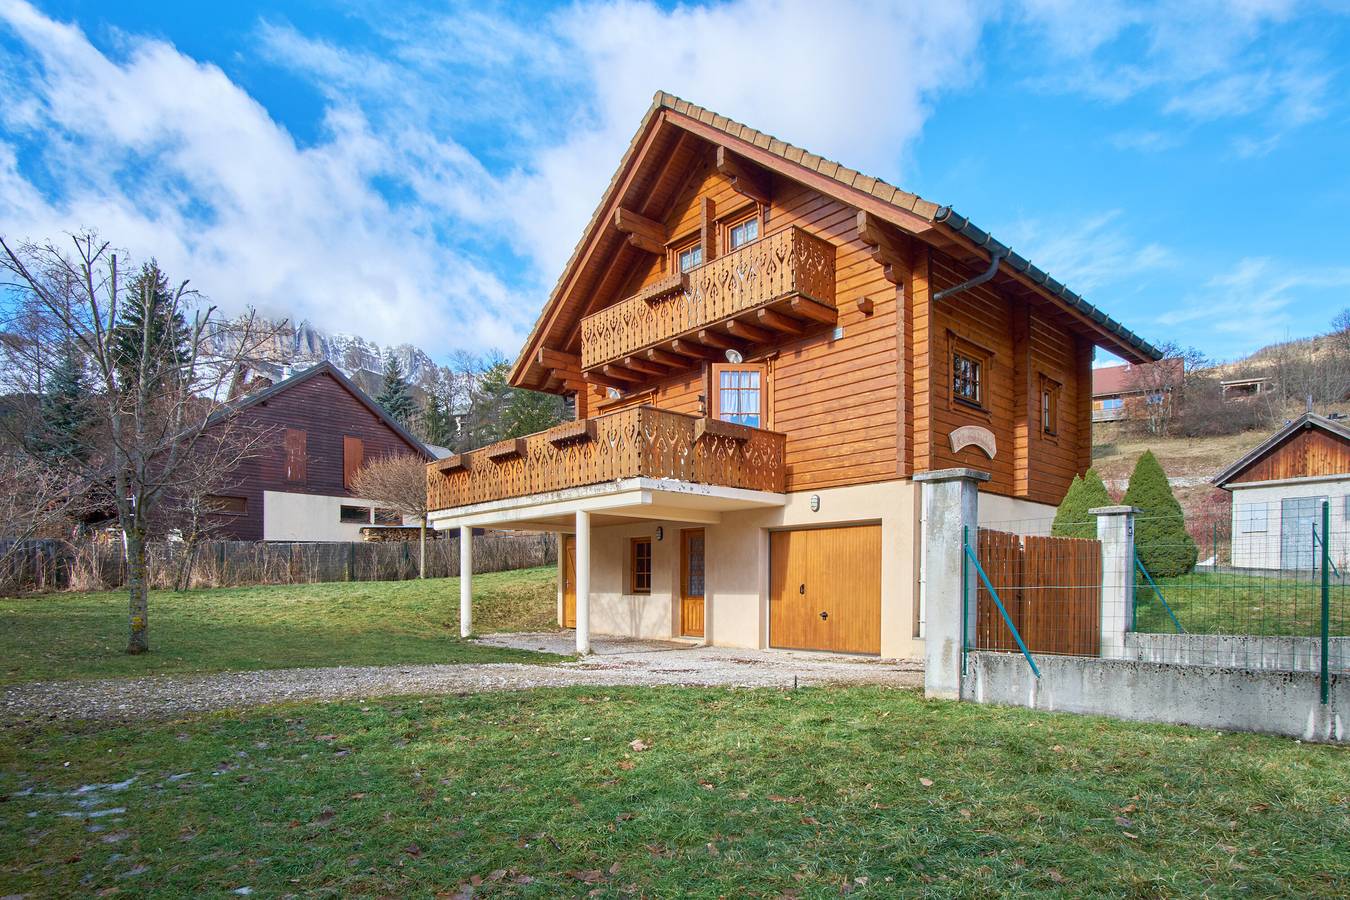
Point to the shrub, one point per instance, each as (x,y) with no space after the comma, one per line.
(1160,538)
(1073,518)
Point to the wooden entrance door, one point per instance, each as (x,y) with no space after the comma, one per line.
(825,589)
(569,585)
(691,582)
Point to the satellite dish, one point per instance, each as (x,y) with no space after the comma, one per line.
(734,356)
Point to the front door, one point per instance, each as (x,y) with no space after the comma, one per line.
(691,582)
(1299,516)
(569,585)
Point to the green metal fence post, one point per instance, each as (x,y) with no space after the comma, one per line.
(1326,600)
(965,596)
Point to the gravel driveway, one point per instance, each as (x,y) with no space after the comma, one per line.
(614,663)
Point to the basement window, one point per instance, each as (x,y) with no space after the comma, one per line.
(354,515)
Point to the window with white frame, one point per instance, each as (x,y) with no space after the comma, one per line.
(1251,518)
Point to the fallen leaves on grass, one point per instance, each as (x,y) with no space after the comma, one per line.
(639,745)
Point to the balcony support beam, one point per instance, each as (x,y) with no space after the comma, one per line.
(807,308)
(583,543)
(718,340)
(665,358)
(642,232)
(779,322)
(686,347)
(752,333)
(622,374)
(746,179)
(646,368)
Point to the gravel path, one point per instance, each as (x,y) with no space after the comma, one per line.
(615,663)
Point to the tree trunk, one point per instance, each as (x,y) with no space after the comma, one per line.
(422,550)
(180,581)
(139,603)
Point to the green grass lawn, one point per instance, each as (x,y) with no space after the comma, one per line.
(738,793)
(279,626)
(1230,603)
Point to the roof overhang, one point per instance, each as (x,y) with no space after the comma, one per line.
(1270,444)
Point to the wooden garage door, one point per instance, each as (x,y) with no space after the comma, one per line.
(825,589)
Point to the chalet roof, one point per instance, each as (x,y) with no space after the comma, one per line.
(1270,444)
(1111,380)
(323,368)
(850,185)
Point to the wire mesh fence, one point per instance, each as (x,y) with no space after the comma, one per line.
(100,564)
(1268,590)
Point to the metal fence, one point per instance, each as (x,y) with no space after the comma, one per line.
(99,563)
(1269,591)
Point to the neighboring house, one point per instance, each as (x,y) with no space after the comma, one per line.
(1242,388)
(1278,489)
(763,349)
(1115,386)
(323,428)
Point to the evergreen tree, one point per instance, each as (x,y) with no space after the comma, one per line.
(64,415)
(531,411)
(434,425)
(1073,518)
(396,396)
(149,307)
(1160,538)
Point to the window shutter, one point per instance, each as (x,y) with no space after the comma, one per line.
(296,453)
(353,455)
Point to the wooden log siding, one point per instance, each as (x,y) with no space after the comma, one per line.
(639,442)
(787,263)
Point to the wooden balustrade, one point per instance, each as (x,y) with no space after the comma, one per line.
(640,442)
(786,264)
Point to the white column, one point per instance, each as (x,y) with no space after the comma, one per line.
(950,510)
(465,581)
(583,582)
(1115,530)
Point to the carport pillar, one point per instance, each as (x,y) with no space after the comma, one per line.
(583,582)
(950,507)
(1115,531)
(465,581)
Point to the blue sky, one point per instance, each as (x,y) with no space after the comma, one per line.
(420,172)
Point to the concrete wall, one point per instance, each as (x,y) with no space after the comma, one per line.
(1261,549)
(1015,515)
(1301,654)
(1232,699)
(310,517)
(737,568)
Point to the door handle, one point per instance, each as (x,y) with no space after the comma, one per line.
(824,615)
(801,589)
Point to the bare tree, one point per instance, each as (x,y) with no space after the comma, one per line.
(152,397)
(1162,386)
(195,509)
(399,482)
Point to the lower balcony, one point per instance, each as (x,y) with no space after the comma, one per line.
(641,462)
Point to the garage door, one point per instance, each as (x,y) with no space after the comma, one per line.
(825,589)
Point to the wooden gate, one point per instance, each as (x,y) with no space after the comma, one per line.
(1051,588)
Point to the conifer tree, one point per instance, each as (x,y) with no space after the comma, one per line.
(1074,517)
(396,396)
(1160,538)
(65,416)
(150,329)
(434,426)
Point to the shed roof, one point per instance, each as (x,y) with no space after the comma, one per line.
(1272,443)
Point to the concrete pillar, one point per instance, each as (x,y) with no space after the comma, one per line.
(1115,530)
(950,505)
(583,582)
(465,581)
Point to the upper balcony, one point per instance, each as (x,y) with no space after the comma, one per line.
(772,288)
(642,442)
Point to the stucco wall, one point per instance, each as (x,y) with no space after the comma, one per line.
(737,568)
(310,517)
(1261,549)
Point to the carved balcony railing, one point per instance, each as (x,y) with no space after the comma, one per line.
(639,442)
(787,264)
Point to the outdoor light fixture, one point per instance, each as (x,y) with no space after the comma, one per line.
(815,503)
(734,357)
(613,393)
(660,533)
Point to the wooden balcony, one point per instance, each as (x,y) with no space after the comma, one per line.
(641,442)
(777,286)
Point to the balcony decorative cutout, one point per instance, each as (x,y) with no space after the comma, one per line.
(787,265)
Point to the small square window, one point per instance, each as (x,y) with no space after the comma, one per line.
(227,506)
(354,515)
(743,232)
(967,378)
(691,257)
(1251,518)
(640,566)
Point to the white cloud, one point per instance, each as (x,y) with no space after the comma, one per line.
(167,157)
(1089,253)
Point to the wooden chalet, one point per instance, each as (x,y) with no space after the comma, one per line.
(763,347)
(321,429)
